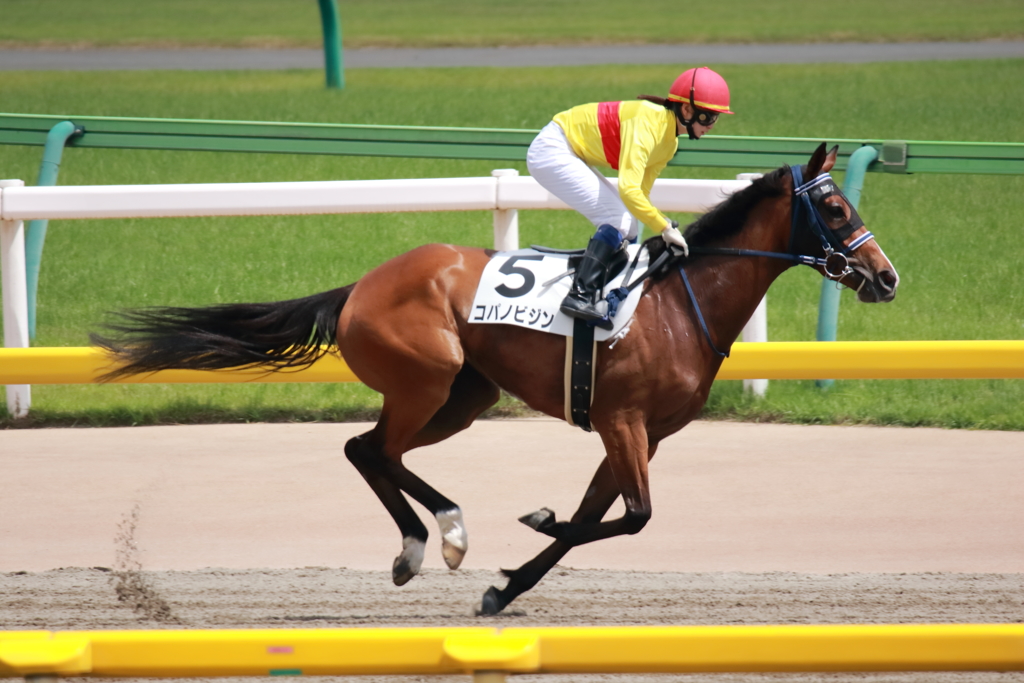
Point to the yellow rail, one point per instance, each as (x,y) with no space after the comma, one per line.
(771,360)
(84,364)
(876,360)
(426,651)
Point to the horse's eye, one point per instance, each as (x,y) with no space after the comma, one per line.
(836,211)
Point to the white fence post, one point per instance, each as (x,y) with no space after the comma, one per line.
(756,329)
(506,221)
(15,299)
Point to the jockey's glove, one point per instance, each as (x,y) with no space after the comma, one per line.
(674,238)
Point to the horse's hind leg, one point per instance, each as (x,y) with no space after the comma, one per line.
(471,394)
(400,335)
(378,457)
(367,460)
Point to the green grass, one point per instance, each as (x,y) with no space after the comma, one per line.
(479,22)
(954,239)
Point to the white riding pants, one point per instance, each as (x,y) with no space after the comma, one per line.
(553,164)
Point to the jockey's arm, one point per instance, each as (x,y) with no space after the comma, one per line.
(638,169)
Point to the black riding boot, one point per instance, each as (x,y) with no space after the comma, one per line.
(591,276)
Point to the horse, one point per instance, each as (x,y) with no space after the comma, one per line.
(404,330)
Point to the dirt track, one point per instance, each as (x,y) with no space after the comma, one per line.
(320,597)
(753,524)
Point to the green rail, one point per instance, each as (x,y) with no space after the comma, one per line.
(749,153)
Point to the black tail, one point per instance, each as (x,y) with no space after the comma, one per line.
(278,336)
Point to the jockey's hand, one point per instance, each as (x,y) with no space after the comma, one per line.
(674,238)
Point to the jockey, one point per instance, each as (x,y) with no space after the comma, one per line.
(636,138)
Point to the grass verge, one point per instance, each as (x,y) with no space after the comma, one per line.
(433,23)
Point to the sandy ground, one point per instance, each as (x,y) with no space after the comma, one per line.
(268,526)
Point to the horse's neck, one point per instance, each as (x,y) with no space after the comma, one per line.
(729,288)
(731,298)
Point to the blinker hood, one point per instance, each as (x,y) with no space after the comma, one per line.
(819,193)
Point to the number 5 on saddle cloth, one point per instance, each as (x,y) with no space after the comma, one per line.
(526,287)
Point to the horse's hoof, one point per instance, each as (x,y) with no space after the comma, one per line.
(491,604)
(539,520)
(454,539)
(401,571)
(452,555)
(408,564)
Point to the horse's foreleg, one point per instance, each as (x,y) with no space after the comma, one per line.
(601,495)
(628,453)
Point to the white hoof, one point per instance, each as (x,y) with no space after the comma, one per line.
(454,539)
(408,564)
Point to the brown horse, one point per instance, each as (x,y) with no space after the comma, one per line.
(404,331)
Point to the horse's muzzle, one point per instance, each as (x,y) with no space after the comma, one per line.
(876,286)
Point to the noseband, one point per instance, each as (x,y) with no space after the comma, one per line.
(808,203)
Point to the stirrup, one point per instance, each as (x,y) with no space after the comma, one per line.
(575,308)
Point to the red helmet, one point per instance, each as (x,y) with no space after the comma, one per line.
(702,88)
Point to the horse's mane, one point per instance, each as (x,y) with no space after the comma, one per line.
(726,219)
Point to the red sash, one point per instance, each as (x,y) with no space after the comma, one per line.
(609,125)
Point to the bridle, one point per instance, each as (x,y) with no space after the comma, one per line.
(808,202)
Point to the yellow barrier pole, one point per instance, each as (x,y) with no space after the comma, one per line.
(309,652)
(492,653)
(769,360)
(84,365)
(702,649)
(877,360)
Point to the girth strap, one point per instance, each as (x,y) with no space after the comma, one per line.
(580,362)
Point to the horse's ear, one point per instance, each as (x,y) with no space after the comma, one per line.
(830,159)
(817,162)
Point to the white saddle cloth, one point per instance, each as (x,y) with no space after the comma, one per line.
(512,291)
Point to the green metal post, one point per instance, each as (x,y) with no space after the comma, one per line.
(35,231)
(828,305)
(333,59)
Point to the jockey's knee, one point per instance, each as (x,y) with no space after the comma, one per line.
(636,520)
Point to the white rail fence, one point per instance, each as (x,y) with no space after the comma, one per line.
(505,193)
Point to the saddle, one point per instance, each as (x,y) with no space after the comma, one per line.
(618,263)
(581,348)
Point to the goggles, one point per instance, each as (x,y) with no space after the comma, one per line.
(704,117)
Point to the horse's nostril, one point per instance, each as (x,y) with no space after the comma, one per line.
(888,279)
